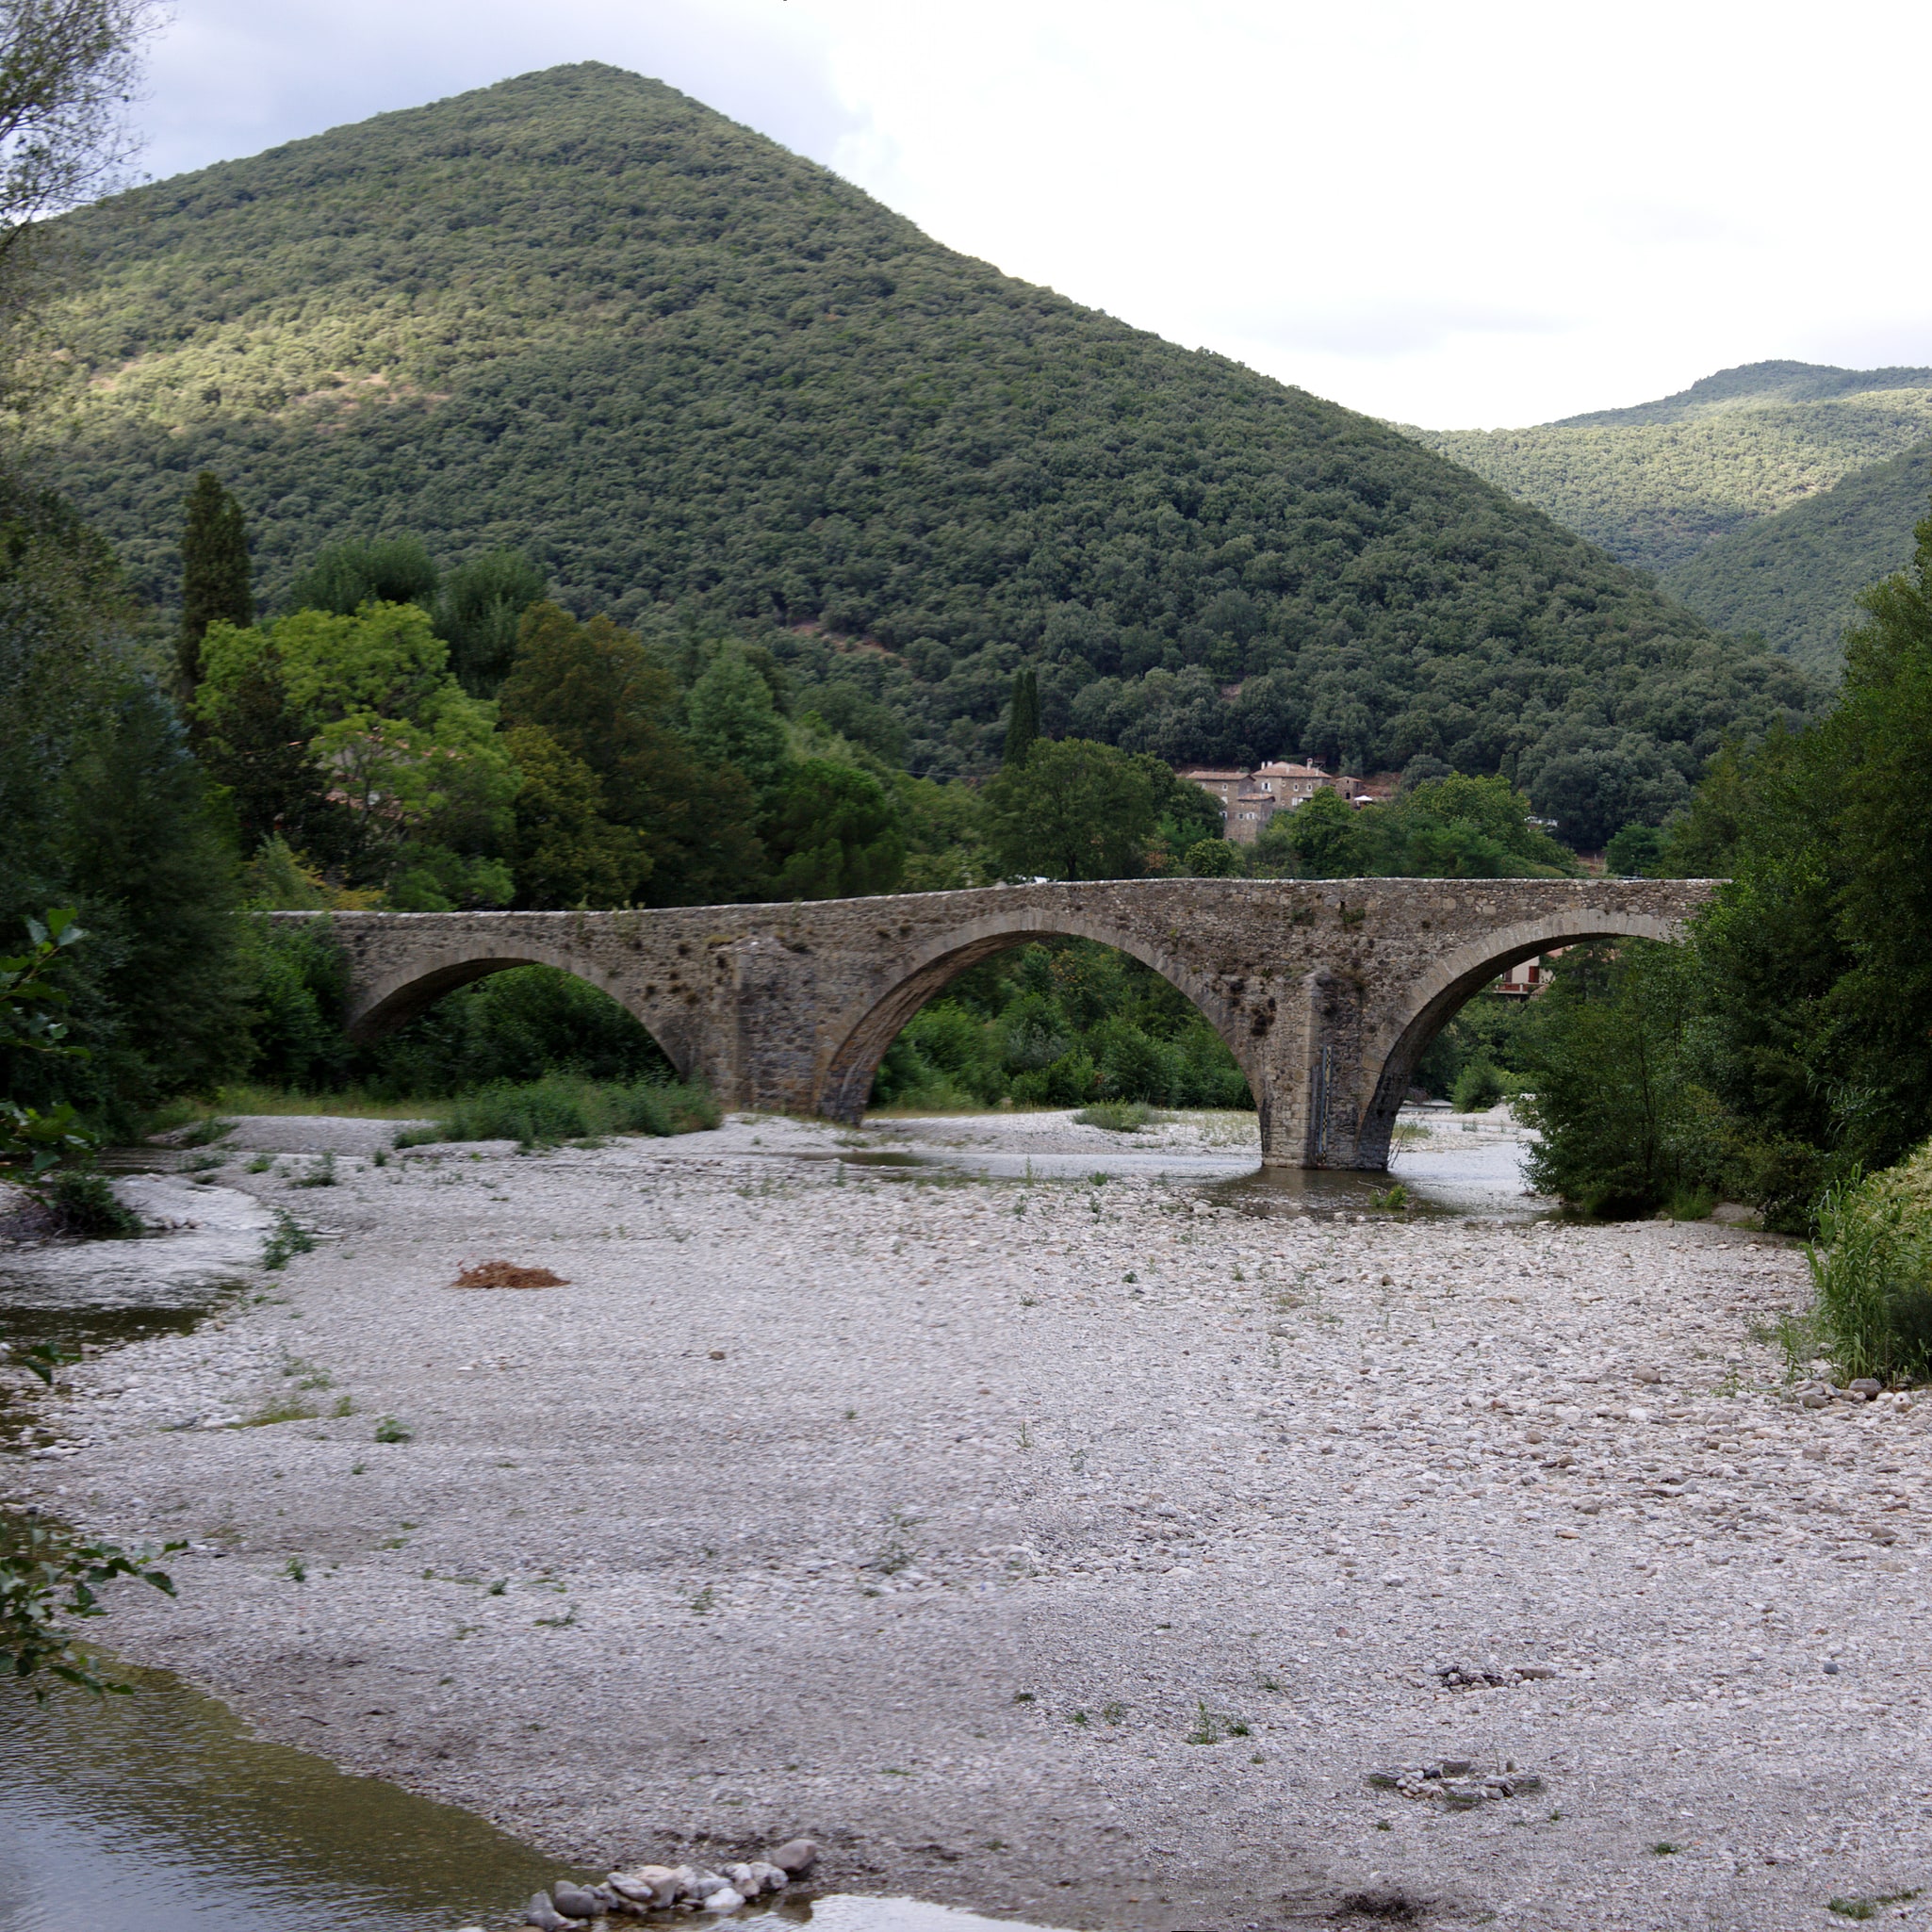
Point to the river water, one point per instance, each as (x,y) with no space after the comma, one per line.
(161,1812)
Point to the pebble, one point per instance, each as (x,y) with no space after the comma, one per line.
(663,1888)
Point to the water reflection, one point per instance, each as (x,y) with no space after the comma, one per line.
(162,1810)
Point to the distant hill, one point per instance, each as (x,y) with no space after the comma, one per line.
(1793,577)
(1657,484)
(702,379)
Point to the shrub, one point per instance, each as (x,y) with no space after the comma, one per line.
(1478,1088)
(1872,1269)
(1116,1117)
(541,1113)
(87,1204)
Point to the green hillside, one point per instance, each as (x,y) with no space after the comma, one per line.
(1792,577)
(690,372)
(1657,484)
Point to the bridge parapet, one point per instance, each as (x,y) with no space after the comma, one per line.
(1326,991)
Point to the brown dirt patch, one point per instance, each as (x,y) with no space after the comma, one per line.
(506,1275)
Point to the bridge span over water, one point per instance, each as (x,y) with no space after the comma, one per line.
(1326,991)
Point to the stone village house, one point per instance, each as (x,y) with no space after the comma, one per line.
(1249,799)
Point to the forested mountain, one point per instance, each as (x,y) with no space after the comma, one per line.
(1792,577)
(1763,495)
(700,380)
(1658,483)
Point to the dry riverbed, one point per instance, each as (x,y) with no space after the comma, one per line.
(1067,1550)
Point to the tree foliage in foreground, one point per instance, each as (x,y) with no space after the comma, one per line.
(50,1579)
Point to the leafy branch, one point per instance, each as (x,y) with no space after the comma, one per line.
(48,1580)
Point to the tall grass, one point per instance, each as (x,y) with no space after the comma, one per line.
(565,1107)
(1872,1269)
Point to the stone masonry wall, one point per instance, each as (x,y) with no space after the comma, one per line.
(1325,990)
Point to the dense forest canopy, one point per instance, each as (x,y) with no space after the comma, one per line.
(1794,578)
(1765,496)
(581,316)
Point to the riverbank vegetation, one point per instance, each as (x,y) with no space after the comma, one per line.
(1783,1051)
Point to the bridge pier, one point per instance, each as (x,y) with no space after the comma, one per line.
(1326,991)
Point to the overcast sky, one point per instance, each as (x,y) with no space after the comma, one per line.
(1488,213)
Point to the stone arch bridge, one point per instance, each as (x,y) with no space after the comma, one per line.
(1326,991)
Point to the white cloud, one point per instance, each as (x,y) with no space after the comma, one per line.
(1493,213)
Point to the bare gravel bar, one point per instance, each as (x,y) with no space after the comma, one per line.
(1075,1551)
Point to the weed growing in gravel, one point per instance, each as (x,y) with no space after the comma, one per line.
(344,1406)
(705,1601)
(561,1623)
(204,1132)
(288,1238)
(499,1588)
(295,1570)
(286,1410)
(389,1429)
(1664,1849)
(261,1164)
(1867,1908)
(1206,1728)
(86,1205)
(900,1550)
(320,1173)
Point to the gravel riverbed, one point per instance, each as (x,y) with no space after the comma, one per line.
(1069,1550)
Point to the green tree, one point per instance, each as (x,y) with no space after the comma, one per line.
(216,585)
(1619,1132)
(481,615)
(834,834)
(567,851)
(733,719)
(1075,810)
(105,812)
(1453,827)
(945,835)
(1215,858)
(345,576)
(1635,853)
(420,782)
(1022,718)
(1323,837)
(601,696)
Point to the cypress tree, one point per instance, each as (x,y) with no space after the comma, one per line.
(215,585)
(1023,720)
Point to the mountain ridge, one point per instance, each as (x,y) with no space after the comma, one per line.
(1783,381)
(703,381)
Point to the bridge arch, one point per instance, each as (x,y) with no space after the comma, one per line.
(406,993)
(866,1029)
(1435,996)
